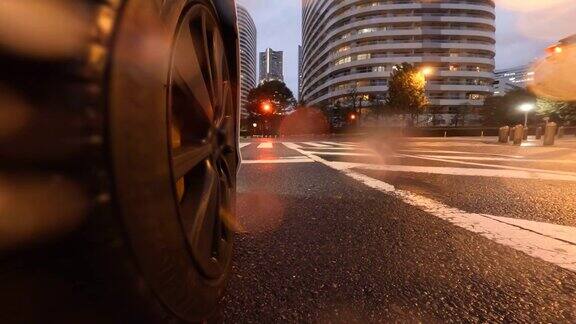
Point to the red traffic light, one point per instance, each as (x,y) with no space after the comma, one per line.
(266,107)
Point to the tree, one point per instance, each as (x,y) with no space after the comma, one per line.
(499,111)
(275,93)
(460,116)
(407,91)
(351,103)
(558,111)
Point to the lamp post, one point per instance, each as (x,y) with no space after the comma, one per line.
(425,71)
(526,108)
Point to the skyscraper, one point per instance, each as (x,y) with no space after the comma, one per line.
(513,78)
(248,63)
(354,46)
(271,65)
(300,73)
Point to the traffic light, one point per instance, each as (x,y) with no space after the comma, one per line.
(266,107)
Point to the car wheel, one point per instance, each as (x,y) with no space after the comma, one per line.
(140,144)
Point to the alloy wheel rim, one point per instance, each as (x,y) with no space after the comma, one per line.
(201,124)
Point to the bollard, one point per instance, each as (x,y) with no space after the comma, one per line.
(482,134)
(525,137)
(445,134)
(503,134)
(561,132)
(518,134)
(539,133)
(511,134)
(550,134)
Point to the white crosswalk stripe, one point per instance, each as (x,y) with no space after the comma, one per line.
(339,144)
(473,172)
(291,160)
(313,144)
(265,145)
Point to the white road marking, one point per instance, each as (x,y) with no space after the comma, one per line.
(338,144)
(480,158)
(242,145)
(339,148)
(292,146)
(341,153)
(497,166)
(536,239)
(443,144)
(314,144)
(279,161)
(460,152)
(474,172)
(562,232)
(265,145)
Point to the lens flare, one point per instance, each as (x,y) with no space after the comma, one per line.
(531,5)
(44,28)
(554,75)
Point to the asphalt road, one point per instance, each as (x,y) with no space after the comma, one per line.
(348,230)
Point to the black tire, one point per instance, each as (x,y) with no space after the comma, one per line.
(147,173)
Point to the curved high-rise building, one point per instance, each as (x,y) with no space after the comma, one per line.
(248,55)
(353,45)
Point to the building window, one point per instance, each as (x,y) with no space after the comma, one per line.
(343,60)
(366,30)
(363,57)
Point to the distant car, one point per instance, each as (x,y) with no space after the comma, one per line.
(119,175)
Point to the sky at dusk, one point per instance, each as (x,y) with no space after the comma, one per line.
(524,29)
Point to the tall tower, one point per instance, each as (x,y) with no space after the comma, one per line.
(300,73)
(248,57)
(354,46)
(271,65)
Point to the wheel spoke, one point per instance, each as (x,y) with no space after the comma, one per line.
(226,171)
(188,73)
(207,219)
(196,202)
(187,157)
(226,100)
(220,85)
(206,49)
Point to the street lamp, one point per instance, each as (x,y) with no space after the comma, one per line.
(526,108)
(427,70)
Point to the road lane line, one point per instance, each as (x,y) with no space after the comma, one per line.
(341,148)
(314,144)
(279,161)
(473,172)
(338,144)
(497,166)
(538,241)
(461,152)
(341,153)
(292,146)
(242,145)
(265,145)
(480,158)
(444,144)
